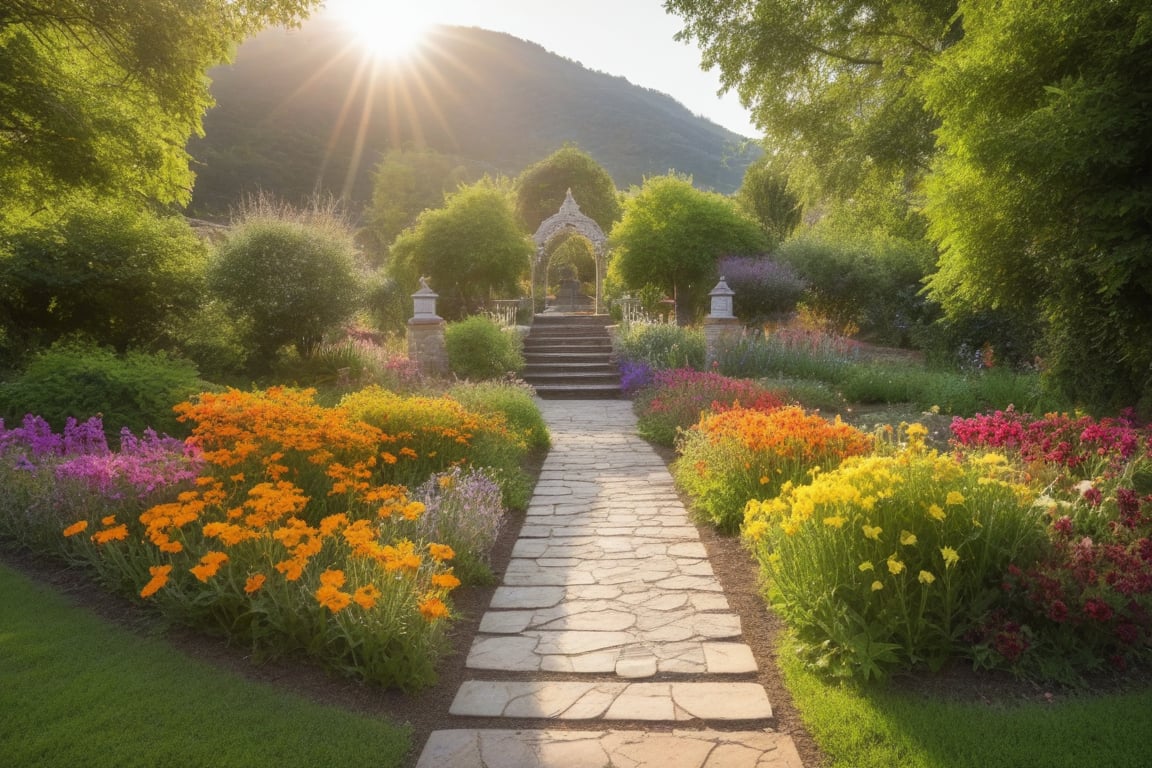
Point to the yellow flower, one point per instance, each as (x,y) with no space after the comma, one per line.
(895,567)
(950,556)
(865,566)
(926,577)
(764,480)
(836,521)
(872,532)
(936,512)
(955,498)
(254,583)
(77,527)
(877,586)
(445,482)
(755,530)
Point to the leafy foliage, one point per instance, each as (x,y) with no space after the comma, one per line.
(471,248)
(479,349)
(292,274)
(671,235)
(765,195)
(660,346)
(766,289)
(103,97)
(541,188)
(116,274)
(136,390)
(1040,198)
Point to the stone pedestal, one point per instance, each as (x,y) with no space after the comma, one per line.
(717,331)
(426,345)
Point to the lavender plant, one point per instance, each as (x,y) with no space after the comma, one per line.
(463,508)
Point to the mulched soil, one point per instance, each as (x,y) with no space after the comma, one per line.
(427,710)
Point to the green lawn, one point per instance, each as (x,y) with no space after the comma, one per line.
(76,691)
(863,728)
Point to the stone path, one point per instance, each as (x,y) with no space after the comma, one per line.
(609,618)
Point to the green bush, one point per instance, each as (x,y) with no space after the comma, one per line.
(885,562)
(115,274)
(869,282)
(661,346)
(513,401)
(292,275)
(479,349)
(136,390)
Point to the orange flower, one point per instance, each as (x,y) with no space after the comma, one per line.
(432,608)
(332,578)
(254,583)
(117,533)
(109,520)
(159,579)
(332,598)
(291,568)
(209,565)
(366,596)
(329,525)
(78,527)
(441,552)
(445,580)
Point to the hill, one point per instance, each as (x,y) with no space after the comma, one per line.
(301,109)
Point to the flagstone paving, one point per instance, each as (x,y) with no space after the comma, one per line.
(609,580)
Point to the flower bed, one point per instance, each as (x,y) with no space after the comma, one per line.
(674,399)
(287,530)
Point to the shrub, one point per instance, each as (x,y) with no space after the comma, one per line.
(292,275)
(886,561)
(437,433)
(677,397)
(741,454)
(766,290)
(660,346)
(351,364)
(511,400)
(118,275)
(136,390)
(463,509)
(479,349)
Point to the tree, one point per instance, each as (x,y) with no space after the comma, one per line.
(291,275)
(541,188)
(117,275)
(671,235)
(471,248)
(103,96)
(764,194)
(405,183)
(1041,199)
(833,84)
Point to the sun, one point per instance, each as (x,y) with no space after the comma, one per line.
(385,29)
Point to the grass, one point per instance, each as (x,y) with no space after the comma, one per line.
(859,727)
(75,690)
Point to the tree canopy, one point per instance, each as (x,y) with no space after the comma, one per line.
(671,235)
(1042,195)
(764,195)
(103,96)
(472,248)
(833,84)
(541,188)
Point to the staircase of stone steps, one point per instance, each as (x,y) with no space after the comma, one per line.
(570,356)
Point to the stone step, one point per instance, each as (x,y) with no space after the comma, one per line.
(535,367)
(560,318)
(597,700)
(592,356)
(577,391)
(563,343)
(506,748)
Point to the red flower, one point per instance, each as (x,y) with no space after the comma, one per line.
(1098,609)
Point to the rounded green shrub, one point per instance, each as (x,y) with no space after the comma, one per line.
(136,390)
(478,349)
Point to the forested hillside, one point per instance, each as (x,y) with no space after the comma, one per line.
(302,109)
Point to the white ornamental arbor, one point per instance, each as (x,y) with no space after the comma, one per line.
(568,219)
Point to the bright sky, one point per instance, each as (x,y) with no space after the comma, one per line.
(629,38)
